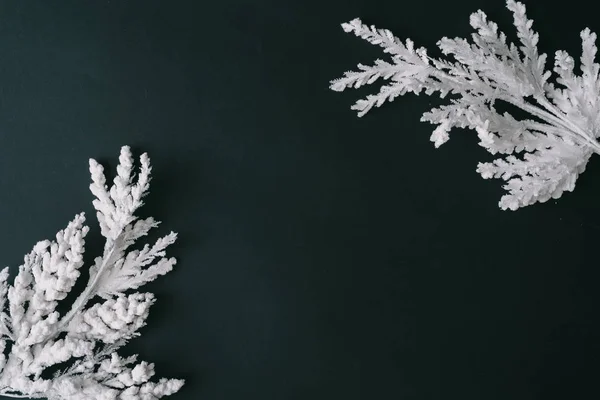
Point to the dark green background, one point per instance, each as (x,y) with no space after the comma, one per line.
(322,256)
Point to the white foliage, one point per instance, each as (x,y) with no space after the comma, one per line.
(543,155)
(34,336)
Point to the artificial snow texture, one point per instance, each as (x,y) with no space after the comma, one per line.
(81,344)
(539,158)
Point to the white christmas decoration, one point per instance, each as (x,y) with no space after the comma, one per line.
(541,157)
(80,345)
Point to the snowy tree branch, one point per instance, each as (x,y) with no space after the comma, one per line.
(544,155)
(87,336)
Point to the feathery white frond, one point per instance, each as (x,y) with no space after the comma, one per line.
(545,153)
(87,336)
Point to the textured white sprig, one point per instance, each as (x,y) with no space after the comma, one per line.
(81,345)
(541,157)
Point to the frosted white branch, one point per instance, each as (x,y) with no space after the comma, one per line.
(543,155)
(87,336)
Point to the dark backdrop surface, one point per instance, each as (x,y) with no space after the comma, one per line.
(321,256)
